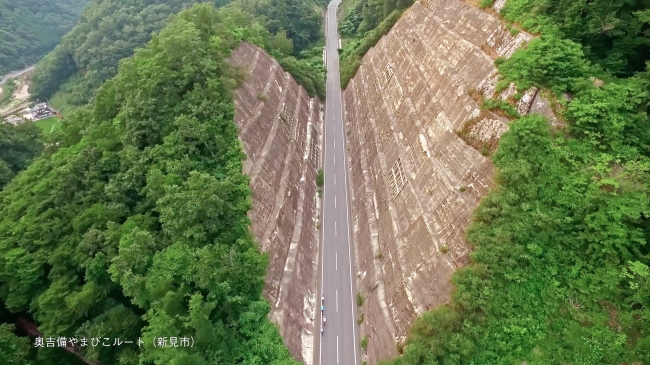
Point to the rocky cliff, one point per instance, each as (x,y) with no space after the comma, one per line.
(280,128)
(417,141)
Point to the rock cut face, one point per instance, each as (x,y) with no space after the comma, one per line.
(280,128)
(415,183)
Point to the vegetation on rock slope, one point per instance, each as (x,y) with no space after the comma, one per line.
(31,28)
(109,31)
(560,269)
(135,223)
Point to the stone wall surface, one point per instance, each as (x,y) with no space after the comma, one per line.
(415,183)
(280,128)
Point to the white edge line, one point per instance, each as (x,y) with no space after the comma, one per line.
(322,245)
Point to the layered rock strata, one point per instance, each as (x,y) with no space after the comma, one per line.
(280,128)
(414,181)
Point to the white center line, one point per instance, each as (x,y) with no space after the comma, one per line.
(334,143)
(337,349)
(337,300)
(334,159)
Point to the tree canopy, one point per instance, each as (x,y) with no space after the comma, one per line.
(31,28)
(614,34)
(109,31)
(134,223)
(19,145)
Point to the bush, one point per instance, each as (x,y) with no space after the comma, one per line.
(501,105)
(359,299)
(485,4)
(548,61)
(364,343)
(320,178)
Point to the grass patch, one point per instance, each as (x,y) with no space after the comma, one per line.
(320,178)
(48,125)
(364,343)
(359,300)
(501,107)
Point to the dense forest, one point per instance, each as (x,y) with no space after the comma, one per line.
(109,31)
(31,28)
(133,222)
(560,268)
(19,145)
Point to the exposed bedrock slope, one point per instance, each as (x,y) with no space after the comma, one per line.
(414,181)
(280,128)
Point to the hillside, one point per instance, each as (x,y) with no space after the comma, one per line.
(109,31)
(31,28)
(135,224)
(499,161)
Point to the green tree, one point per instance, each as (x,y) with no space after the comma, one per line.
(281,43)
(135,224)
(19,145)
(13,349)
(549,62)
(31,28)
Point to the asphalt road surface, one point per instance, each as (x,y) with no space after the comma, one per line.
(15,74)
(339,343)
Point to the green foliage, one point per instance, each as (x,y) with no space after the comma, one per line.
(549,62)
(502,105)
(13,349)
(109,31)
(364,343)
(7,90)
(350,24)
(301,20)
(134,224)
(614,117)
(320,178)
(51,72)
(485,3)
(31,28)
(19,145)
(359,299)
(613,34)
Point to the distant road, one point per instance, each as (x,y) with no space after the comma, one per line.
(13,74)
(339,344)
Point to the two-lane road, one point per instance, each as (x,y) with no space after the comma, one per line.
(339,343)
